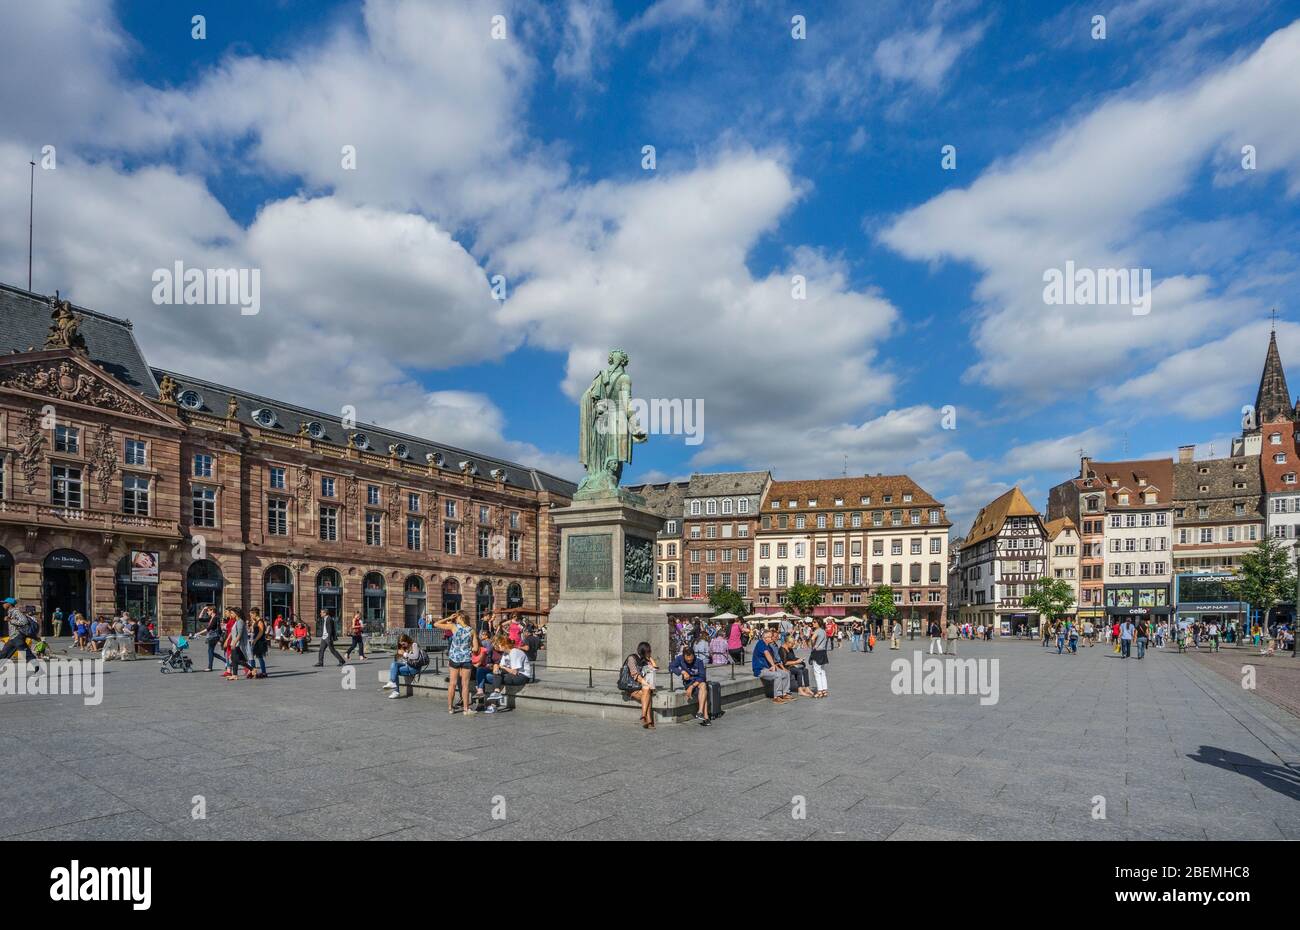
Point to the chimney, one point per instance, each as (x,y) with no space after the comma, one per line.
(1186,454)
(1084,462)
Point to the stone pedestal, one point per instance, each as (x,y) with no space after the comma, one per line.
(607,599)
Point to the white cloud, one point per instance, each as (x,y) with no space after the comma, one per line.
(1086,194)
(923,56)
(659,266)
(590,27)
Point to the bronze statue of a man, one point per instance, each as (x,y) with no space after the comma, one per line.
(609,428)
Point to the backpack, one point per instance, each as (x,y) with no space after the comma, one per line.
(421,662)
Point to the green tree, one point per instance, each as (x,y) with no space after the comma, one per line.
(1051,597)
(881,606)
(802,597)
(724,600)
(1265,579)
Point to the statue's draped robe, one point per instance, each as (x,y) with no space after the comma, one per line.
(596,445)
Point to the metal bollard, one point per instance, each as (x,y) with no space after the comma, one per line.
(590,683)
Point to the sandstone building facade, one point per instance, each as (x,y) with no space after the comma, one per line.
(129,487)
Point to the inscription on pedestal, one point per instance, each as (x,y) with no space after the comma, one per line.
(590,563)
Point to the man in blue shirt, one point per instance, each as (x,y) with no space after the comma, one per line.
(767,665)
(690,669)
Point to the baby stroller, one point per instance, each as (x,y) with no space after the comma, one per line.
(177,660)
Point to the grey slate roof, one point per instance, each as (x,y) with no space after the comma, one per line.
(728,482)
(666,500)
(1220,476)
(110,342)
(288,416)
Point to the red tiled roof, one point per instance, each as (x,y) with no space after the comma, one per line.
(1271,471)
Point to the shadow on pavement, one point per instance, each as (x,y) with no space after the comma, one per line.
(1280,778)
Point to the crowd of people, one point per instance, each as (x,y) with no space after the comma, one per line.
(775,658)
(483,659)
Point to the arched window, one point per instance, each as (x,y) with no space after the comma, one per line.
(329,593)
(277,584)
(450,596)
(137,585)
(414,600)
(375,600)
(203,587)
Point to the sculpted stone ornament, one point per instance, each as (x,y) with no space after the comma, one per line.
(167,390)
(30,453)
(64,327)
(104,462)
(69,382)
(608,429)
(232,408)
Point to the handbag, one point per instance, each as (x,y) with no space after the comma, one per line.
(625,680)
(819,656)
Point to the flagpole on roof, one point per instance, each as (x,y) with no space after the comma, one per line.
(31,203)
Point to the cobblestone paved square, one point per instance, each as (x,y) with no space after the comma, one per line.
(1177,750)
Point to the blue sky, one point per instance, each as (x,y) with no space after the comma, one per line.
(775,157)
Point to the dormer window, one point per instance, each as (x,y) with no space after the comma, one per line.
(1123,498)
(1280,458)
(1150,497)
(812,502)
(190,400)
(1289,478)
(315,430)
(1204,470)
(264,417)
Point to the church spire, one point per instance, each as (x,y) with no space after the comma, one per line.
(1273,401)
